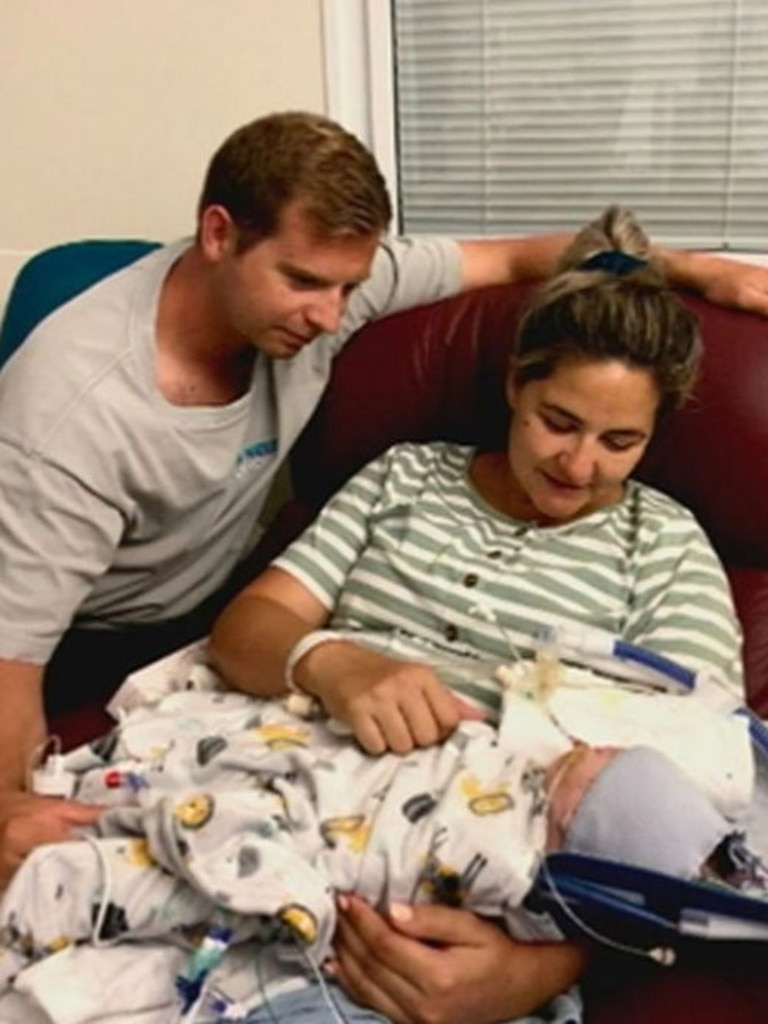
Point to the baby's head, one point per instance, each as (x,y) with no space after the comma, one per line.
(634,806)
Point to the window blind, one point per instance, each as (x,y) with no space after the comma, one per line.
(515,116)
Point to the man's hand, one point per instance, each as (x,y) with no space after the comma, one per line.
(739,285)
(27,821)
(437,965)
(389,703)
(721,280)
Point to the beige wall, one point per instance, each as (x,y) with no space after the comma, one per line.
(109,109)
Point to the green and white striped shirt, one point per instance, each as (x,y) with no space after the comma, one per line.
(410,553)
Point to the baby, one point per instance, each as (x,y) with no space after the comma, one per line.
(233,818)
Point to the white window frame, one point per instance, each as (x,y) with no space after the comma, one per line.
(359,81)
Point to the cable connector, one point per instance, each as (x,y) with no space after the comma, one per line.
(573,638)
(53,778)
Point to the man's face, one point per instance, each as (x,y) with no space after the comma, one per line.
(287,289)
(576,436)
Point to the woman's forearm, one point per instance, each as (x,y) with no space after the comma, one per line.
(252,638)
(250,643)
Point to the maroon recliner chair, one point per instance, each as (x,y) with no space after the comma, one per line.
(437,372)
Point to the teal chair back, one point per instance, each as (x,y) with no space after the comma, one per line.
(54,276)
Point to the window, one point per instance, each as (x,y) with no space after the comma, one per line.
(514,116)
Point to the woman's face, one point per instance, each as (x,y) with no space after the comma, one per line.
(576,436)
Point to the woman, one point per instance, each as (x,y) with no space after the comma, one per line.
(437,561)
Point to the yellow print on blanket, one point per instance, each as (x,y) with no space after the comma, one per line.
(136,853)
(194,811)
(351,830)
(483,800)
(301,922)
(279,735)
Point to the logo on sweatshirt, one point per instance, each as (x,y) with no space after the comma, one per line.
(253,454)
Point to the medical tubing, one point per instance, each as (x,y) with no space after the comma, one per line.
(574,638)
(657,662)
(585,641)
(663,955)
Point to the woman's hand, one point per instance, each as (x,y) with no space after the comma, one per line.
(436,965)
(28,821)
(388,703)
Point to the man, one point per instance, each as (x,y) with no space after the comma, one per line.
(134,468)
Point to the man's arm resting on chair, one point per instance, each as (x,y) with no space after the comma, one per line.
(720,279)
(26,820)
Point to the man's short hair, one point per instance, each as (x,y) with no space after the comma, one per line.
(296,157)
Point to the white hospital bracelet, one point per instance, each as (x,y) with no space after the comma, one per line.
(304,646)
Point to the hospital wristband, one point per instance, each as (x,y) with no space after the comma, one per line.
(306,644)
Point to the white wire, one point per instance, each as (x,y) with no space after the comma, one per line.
(664,955)
(335,1011)
(262,987)
(338,1016)
(107,884)
(190,1015)
(38,757)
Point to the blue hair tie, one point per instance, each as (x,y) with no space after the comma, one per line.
(614,262)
